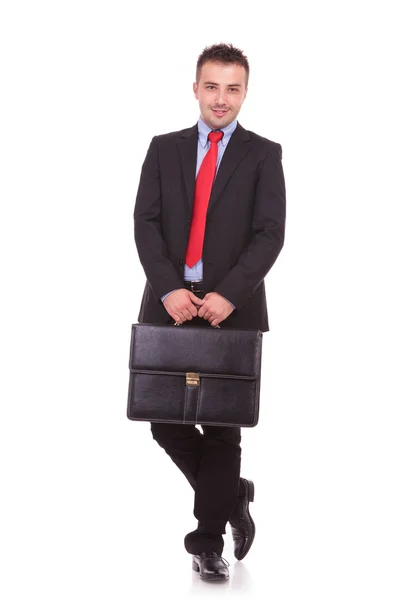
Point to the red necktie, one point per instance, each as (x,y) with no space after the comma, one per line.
(202,193)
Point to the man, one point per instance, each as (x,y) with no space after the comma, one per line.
(209,224)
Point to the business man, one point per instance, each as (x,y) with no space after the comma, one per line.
(209,224)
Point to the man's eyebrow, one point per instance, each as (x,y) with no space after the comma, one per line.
(229,84)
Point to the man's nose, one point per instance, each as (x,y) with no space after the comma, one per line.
(221,98)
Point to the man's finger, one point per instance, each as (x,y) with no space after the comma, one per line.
(195,299)
(193,310)
(187,314)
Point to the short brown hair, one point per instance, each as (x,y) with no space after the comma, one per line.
(222,53)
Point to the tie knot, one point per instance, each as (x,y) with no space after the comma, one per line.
(215,136)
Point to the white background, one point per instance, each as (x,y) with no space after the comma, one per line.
(91,507)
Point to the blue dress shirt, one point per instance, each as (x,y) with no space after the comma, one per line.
(196,272)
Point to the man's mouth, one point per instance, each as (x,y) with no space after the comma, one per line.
(219,113)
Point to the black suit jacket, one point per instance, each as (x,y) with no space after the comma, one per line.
(245,225)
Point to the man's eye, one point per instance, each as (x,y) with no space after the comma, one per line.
(213,86)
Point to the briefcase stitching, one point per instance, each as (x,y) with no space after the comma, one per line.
(198,401)
(196,423)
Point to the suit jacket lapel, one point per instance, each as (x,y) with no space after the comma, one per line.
(187,147)
(237,148)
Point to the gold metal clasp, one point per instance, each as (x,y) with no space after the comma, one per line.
(193,379)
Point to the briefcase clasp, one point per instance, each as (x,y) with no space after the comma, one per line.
(193,379)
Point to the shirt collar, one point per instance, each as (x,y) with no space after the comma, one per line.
(204,130)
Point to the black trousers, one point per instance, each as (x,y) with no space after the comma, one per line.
(210,461)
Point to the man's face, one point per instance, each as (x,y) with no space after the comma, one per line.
(220,87)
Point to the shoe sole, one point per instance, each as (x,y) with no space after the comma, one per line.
(251,540)
(250,494)
(250,487)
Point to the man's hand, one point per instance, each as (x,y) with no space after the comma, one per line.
(215,309)
(180,305)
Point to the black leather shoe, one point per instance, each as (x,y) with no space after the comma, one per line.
(211,566)
(243,528)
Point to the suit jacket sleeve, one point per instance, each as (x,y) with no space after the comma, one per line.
(268,233)
(160,272)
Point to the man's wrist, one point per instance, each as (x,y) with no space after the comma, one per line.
(165,295)
(233,306)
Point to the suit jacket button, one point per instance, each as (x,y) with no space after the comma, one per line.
(181,262)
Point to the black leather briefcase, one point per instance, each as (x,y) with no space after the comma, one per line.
(199,375)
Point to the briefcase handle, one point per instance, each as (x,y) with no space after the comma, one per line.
(216,327)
